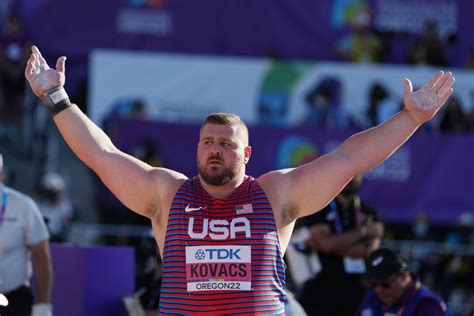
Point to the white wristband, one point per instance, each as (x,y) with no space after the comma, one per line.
(56,100)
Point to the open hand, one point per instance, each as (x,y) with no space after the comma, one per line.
(40,76)
(424,103)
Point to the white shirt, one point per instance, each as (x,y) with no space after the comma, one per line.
(22,226)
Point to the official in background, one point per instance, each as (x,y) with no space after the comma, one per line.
(343,234)
(23,243)
(395,291)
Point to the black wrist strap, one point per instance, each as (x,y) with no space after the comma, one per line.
(56,100)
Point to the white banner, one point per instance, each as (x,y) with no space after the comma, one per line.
(186,88)
(174,87)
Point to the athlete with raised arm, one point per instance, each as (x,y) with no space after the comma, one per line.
(222,234)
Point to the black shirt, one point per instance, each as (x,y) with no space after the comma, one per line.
(347,218)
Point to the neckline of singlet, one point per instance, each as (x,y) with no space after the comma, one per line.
(237,192)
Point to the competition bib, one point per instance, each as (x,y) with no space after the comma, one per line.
(217,268)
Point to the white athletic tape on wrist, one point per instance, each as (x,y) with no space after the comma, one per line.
(56,100)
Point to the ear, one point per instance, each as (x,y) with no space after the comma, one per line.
(405,276)
(247,154)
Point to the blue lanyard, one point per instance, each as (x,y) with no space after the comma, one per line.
(4,206)
(337,219)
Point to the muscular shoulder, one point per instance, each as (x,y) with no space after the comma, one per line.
(167,183)
(164,176)
(276,185)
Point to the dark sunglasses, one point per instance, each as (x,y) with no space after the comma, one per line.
(384,284)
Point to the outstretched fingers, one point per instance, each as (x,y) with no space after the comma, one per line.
(407,86)
(61,64)
(443,88)
(39,58)
(444,96)
(434,80)
(444,84)
(29,67)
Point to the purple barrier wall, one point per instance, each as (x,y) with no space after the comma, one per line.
(430,173)
(92,280)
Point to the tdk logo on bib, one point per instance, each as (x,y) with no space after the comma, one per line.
(200,254)
(217,253)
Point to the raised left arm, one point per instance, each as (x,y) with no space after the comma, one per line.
(308,188)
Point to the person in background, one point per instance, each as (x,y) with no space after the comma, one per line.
(362,44)
(429,48)
(454,119)
(14,43)
(23,242)
(395,291)
(456,284)
(424,260)
(344,234)
(55,206)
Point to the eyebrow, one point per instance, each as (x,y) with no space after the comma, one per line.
(218,138)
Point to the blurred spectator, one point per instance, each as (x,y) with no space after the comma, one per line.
(464,234)
(424,262)
(148,151)
(382,106)
(428,49)
(470,58)
(319,102)
(55,206)
(14,49)
(148,274)
(124,108)
(395,291)
(453,117)
(362,44)
(344,234)
(458,275)
(323,106)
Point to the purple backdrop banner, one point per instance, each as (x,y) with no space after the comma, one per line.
(304,29)
(430,173)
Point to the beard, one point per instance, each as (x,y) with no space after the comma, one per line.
(217,180)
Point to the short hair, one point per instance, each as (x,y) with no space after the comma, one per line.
(222,118)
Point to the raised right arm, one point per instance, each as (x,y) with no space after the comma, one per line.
(137,185)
